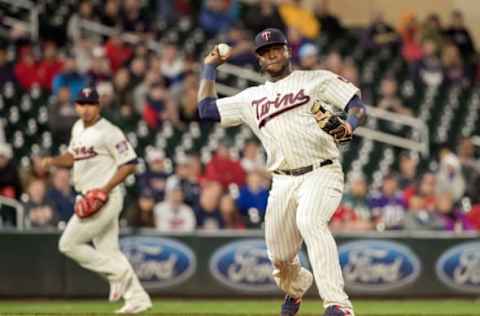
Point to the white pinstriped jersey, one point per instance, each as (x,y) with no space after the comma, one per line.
(279,113)
(98,151)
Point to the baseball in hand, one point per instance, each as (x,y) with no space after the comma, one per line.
(223,49)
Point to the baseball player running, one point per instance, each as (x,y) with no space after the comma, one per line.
(292,115)
(101,158)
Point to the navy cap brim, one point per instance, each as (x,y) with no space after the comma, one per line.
(269,44)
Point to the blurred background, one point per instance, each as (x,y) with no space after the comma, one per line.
(413,167)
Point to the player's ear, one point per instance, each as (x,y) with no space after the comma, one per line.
(288,52)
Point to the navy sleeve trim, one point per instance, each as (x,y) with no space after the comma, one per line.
(208,110)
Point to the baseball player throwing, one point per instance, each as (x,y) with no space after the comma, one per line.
(293,116)
(101,158)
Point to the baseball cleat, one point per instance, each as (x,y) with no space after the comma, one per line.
(134,307)
(290,306)
(335,310)
(119,287)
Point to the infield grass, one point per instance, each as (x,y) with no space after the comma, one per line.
(195,307)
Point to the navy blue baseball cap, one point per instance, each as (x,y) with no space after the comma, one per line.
(88,95)
(270,36)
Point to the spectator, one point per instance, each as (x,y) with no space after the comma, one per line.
(61,194)
(242,46)
(449,175)
(459,34)
(453,67)
(26,70)
(453,219)
(411,39)
(350,71)
(380,35)
(154,179)
(353,214)
(388,207)
(408,170)
(222,168)
(122,87)
(429,69)
(138,69)
(333,62)
(40,211)
(99,70)
(61,116)
(230,214)
(141,89)
(419,217)
(425,189)
(171,65)
(432,30)
(6,68)
(186,177)
(216,17)
(252,158)
(308,56)
(111,14)
(295,41)
(303,20)
(85,12)
(34,171)
(473,216)
(207,211)
(389,98)
(10,185)
(117,52)
(142,215)
(188,112)
(50,66)
(330,25)
(263,15)
(69,77)
(470,168)
(134,18)
(252,200)
(173,215)
(159,107)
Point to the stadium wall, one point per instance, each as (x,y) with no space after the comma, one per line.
(235,264)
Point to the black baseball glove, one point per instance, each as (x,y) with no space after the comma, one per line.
(332,124)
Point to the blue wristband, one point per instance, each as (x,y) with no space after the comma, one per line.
(209,72)
(353,121)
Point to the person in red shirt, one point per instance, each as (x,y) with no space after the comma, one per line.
(222,168)
(26,70)
(117,52)
(50,65)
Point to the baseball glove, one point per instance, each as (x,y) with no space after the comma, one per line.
(90,203)
(332,124)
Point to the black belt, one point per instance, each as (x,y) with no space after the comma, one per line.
(303,170)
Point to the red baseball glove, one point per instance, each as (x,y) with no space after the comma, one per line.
(91,203)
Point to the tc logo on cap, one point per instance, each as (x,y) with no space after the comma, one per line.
(266,35)
(87,92)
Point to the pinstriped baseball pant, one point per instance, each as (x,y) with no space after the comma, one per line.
(299,208)
(105,258)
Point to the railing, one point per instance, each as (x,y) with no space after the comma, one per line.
(32,24)
(19,210)
(420,145)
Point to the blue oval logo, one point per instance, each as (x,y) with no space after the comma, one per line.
(459,267)
(373,265)
(244,265)
(159,262)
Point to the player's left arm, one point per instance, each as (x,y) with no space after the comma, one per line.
(124,156)
(122,173)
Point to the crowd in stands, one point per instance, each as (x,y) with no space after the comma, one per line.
(230,192)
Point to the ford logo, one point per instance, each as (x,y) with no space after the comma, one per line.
(372,265)
(159,262)
(244,266)
(459,267)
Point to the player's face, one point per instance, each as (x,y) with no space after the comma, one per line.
(274,59)
(88,112)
